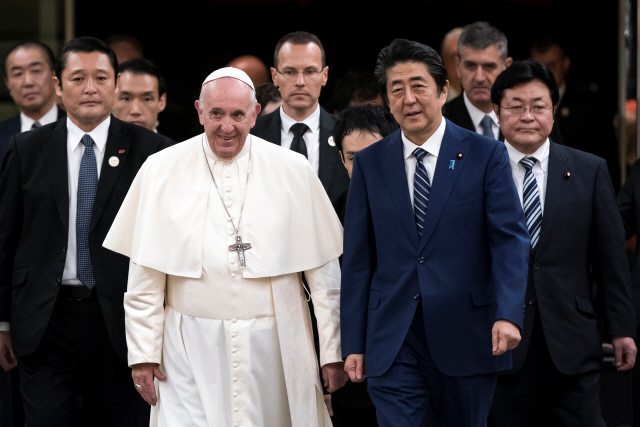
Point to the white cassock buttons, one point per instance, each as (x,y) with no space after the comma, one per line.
(233,320)
(233,263)
(235,365)
(233,275)
(227,176)
(228,189)
(235,380)
(234,335)
(236,409)
(114,161)
(235,394)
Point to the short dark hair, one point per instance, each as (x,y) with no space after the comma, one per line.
(524,72)
(480,35)
(134,41)
(354,84)
(84,45)
(266,93)
(403,51)
(367,118)
(144,66)
(298,37)
(29,44)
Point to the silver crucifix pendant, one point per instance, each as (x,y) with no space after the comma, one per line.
(240,247)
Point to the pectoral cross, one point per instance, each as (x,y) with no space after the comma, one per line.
(240,247)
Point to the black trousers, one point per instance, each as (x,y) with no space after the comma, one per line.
(541,396)
(75,378)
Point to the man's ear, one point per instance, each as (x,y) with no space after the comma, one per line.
(199,110)
(274,75)
(508,62)
(163,102)
(57,85)
(496,109)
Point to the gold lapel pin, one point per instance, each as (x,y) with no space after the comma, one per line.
(567,174)
(459,155)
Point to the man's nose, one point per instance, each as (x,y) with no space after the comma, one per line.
(300,79)
(409,97)
(479,75)
(135,107)
(227,126)
(29,79)
(90,86)
(527,116)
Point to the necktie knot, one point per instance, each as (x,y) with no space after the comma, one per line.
(299,129)
(35,125)
(87,141)
(419,154)
(528,162)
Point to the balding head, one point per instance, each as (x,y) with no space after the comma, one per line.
(254,67)
(227,109)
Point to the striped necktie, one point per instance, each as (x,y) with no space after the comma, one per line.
(421,189)
(531,200)
(35,125)
(87,186)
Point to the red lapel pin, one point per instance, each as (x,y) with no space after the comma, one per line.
(120,151)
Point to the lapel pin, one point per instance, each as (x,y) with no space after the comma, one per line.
(114,161)
(459,156)
(452,163)
(120,151)
(331,141)
(567,175)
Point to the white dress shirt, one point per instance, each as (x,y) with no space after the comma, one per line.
(51,116)
(540,169)
(477,116)
(432,146)
(311,137)
(75,150)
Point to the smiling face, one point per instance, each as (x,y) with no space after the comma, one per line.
(87,87)
(414,100)
(526,132)
(225,111)
(477,70)
(30,80)
(138,99)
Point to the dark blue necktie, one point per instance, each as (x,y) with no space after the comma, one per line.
(487,127)
(87,186)
(421,189)
(298,144)
(531,200)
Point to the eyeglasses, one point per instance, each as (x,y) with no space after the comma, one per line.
(308,73)
(519,110)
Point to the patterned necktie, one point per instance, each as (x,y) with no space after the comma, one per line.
(531,200)
(87,186)
(299,145)
(487,129)
(421,189)
(35,125)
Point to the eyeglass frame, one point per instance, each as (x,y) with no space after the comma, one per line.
(541,110)
(292,76)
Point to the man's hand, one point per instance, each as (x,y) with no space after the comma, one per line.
(354,366)
(625,350)
(505,335)
(142,375)
(8,360)
(334,376)
(327,401)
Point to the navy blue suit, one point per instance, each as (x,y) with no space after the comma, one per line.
(468,270)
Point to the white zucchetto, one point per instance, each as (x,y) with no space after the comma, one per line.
(236,73)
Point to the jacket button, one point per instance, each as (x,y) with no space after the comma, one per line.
(421,260)
(536,266)
(532,301)
(64,249)
(416,297)
(58,281)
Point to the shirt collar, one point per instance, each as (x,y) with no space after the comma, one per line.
(99,134)
(431,145)
(541,154)
(313,121)
(215,158)
(476,114)
(49,117)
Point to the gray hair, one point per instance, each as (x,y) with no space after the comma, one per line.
(254,100)
(480,35)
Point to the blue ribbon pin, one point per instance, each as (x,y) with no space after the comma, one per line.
(452,164)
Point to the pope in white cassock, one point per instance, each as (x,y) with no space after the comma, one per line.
(218,227)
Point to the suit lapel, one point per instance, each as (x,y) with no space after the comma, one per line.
(274,128)
(392,161)
(58,171)
(555,196)
(444,179)
(119,140)
(327,153)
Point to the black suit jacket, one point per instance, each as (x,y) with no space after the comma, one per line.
(12,126)
(34,211)
(332,173)
(629,206)
(582,238)
(456,111)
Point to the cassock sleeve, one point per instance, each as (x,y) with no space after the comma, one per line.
(144,314)
(325,293)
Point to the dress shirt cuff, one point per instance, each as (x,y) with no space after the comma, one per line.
(4,326)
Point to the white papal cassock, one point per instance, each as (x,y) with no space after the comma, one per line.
(235,344)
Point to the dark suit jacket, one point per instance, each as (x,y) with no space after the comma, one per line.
(629,206)
(34,211)
(332,173)
(581,233)
(469,268)
(12,126)
(456,111)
